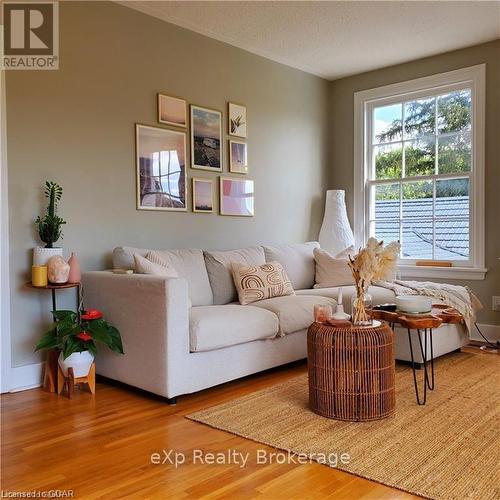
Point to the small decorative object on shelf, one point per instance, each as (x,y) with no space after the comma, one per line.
(75,273)
(39,275)
(57,270)
(75,335)
(322,313)
(373,262)
(49,226)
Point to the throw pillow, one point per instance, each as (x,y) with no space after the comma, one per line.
(255,283)
(330,271)
(145,266)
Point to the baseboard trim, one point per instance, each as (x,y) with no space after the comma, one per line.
(491,332)
(26,377)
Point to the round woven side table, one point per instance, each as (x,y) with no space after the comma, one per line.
(351,371)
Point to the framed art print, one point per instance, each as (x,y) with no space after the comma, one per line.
(236,197)
(172,110)
(206,139)
(160,168)
(203,195)
(237,120)
(238,163)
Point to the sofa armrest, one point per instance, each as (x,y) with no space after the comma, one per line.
(152,314)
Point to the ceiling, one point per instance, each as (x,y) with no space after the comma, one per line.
(333,39)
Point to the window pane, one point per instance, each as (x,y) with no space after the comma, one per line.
(420,156)
(417,199)
(388,161)
(452,240)
(454,154)
(386,231)
(420,117)
(417,239)
(387,123)
(454,111)
(452,198)
(386,202)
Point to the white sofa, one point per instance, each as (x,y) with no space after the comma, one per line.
(182,335)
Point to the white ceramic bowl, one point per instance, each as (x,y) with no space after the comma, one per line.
(413,304)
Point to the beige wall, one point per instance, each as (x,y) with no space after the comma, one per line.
(76,126)
(341,175)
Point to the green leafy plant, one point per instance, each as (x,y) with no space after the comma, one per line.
(49,226)
(72,332)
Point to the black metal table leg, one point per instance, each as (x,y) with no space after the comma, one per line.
(424,355)
(54,304)
(430,385)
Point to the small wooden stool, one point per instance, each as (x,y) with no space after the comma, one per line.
(70,381)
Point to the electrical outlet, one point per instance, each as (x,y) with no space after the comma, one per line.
(496,303)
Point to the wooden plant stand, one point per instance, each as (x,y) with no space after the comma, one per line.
(70,381)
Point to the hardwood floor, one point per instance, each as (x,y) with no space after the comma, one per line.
(101,447)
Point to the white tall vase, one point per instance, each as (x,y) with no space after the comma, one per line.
(336,234)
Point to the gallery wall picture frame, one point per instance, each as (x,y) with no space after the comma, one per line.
(172,110)
(160,168)
(238,159)
(236,196)
(237,120)
(203,195)
(206,138)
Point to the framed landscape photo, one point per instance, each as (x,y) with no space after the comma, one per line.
(236,197)
(203,195)
(237,120)
(172,110)
(160,168)
(206,139)
(238,162)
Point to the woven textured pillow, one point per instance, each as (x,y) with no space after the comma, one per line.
(255,283)
(145,266)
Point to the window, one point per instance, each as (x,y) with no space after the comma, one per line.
(419,170)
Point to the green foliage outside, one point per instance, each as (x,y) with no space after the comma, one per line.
(454,152)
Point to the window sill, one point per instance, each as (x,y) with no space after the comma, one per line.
(455,273)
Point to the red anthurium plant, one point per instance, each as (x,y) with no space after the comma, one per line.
(77,333)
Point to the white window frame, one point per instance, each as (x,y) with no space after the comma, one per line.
(364,102)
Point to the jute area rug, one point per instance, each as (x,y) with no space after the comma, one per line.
(447,449)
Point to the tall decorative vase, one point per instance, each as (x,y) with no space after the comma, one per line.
(41,255)
(75,273)
(336,234)
(361,308)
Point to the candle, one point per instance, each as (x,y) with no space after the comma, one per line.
(39,275)
(322,313)
(339,297)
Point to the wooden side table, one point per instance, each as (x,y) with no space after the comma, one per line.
(351,371)
(51,365)
(426,323)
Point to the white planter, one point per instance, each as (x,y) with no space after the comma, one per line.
(79,361)
(41,255)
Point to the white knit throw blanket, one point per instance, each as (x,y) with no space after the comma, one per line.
(459,297)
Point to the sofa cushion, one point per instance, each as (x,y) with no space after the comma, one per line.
(145,266)
(295,312)
(123,257)
(188,263)
(214,327)
(298,261)
(260,282)
(331,271)
(219,270)
(379,295)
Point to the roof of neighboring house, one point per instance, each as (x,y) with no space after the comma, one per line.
(452,235)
